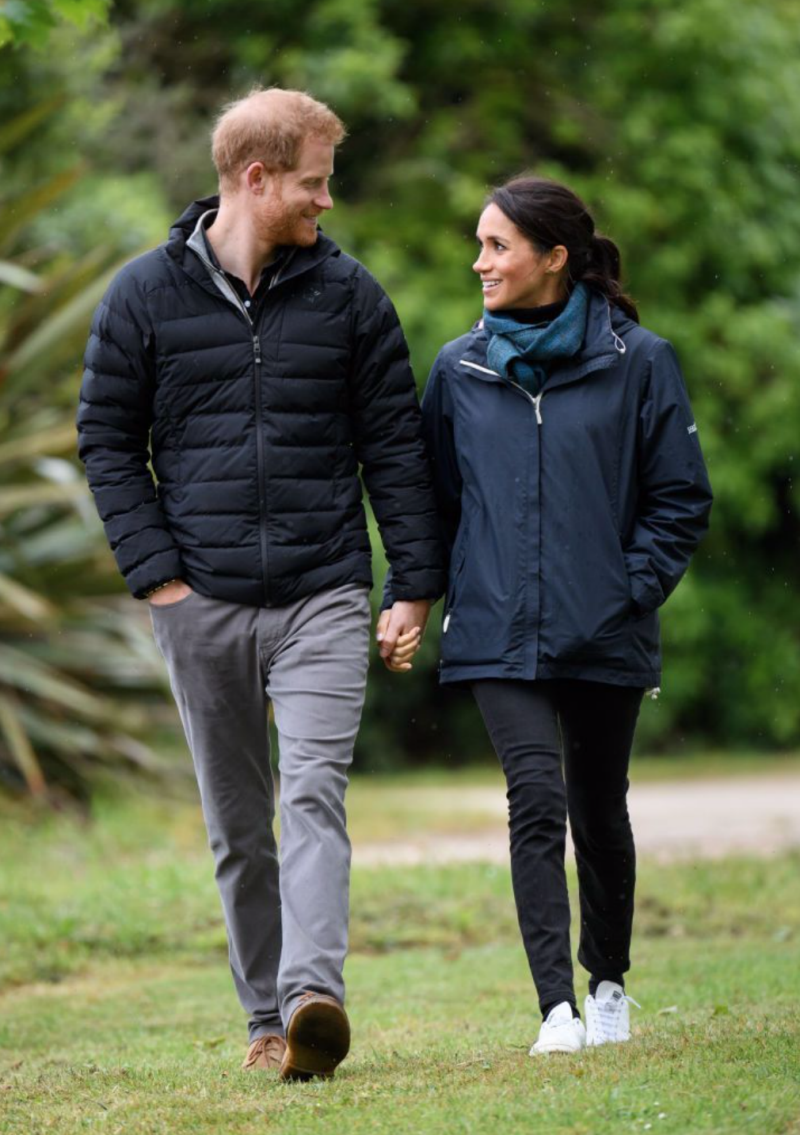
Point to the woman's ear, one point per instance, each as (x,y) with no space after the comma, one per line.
(557,259)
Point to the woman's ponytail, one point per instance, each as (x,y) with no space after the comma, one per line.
(603,271)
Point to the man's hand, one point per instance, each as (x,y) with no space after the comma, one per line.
(400,631)
(172,593)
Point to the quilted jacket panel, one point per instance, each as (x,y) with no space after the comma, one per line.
(257,497)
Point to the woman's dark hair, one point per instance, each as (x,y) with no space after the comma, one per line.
(547,214)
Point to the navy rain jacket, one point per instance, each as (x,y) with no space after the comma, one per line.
(571,516)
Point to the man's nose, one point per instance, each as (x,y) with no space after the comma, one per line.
(324,200)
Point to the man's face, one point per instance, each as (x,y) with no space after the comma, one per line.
(287,211)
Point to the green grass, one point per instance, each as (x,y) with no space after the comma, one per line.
(117,1013)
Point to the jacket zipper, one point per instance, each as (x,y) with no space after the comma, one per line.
(536,402)
(476,366)
(260,462)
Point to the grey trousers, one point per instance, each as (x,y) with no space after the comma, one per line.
(287,926)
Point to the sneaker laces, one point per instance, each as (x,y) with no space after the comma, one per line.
(271,1045)
(609,1014)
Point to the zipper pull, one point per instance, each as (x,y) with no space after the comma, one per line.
(537,405)
(257,348)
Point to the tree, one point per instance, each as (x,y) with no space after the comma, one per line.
(675,124)
(66,659)
(30,22)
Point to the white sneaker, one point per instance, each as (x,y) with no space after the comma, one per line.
(560,1032)
(608,1019)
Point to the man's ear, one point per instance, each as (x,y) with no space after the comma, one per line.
(257,178)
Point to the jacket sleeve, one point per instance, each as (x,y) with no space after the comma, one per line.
(437,434)
(675,494)
(388,444)
(114,419)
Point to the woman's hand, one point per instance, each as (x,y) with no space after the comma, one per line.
(407,646)
(399,634)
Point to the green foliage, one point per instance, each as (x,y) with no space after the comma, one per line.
(62,654)
(30,22)
(675,122)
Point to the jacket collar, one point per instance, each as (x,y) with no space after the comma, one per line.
(187,251)
(602,346)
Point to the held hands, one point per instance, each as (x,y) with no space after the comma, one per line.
(175,590)
(399,633)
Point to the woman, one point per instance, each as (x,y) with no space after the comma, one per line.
(573,493)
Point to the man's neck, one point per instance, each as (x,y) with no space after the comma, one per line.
(236,246)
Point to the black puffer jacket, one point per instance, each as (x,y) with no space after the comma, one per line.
(256,432)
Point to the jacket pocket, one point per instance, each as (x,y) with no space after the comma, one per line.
(646,591)
(587,609)
(173,606)
(456,572)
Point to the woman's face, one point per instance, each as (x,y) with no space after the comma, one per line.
(512,272)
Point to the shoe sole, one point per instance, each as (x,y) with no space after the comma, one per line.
(555,1048)
(317,1041)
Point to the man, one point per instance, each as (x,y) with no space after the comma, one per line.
(259,366)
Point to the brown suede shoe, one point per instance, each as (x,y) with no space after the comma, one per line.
(318,1038)
(265,1054)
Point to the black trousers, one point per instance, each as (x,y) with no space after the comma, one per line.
(590,725)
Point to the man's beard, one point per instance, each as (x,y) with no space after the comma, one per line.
(280,225)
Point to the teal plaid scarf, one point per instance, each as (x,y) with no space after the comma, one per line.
(518,351)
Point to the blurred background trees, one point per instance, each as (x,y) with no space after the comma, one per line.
(677,123)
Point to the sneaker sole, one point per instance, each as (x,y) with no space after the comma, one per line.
(559,1048)
(317,1041)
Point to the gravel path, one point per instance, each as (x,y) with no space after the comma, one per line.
(756,815)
